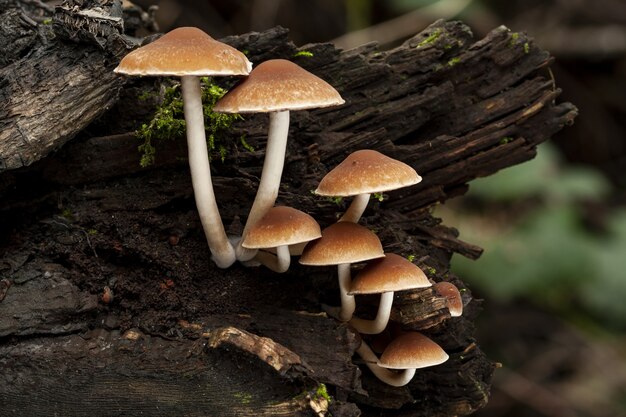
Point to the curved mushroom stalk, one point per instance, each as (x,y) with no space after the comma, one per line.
(348,305)
(275,86)
(270,176)
(380,321)
(189,53)
(393,378)
(398,362)
(277,263)
(223,254)
(357,207)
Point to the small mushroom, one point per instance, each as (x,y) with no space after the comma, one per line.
(406,354)
(280,227)
(385,276)
(362,173)
(189,53)
(342,244)
(454,302)
(275,87)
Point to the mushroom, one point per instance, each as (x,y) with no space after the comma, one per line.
(406,353)
(275,87)
(280,227)
(385,276)
(454,302)
(342,244)
(189,53)
(362,173)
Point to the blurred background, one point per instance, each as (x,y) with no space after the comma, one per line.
(553,275)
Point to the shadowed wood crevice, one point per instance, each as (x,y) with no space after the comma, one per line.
(80,217)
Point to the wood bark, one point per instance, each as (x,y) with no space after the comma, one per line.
(109,304)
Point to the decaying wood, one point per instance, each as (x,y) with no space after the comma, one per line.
(176,336)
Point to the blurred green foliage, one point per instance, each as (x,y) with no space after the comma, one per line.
(538,245)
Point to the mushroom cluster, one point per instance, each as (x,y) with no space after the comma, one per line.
(272,233)
(274,87)
(346,242)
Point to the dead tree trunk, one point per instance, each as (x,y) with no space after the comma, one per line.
(176,336)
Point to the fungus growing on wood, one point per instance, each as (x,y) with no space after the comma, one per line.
(407,353)
(275,87)
(362,173)
(189,53)
(342,244)
(385,276)
(280,227)
(454,302)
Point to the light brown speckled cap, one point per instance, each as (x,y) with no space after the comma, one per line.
(342,243)
(278,85)
(412,350)
(391,273)
(282,226)
(367,171)
(185,51)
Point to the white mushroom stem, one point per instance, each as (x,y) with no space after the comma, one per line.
(382,317)
(356,209)
(277,263)
(347,301)
(393,378)
(221,249)
(270,176)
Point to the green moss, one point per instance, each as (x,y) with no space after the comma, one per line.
(168,121)
(452,62)
(245,144)
(47,21)
(92,232)
(526,47)
(378,196)
(243,397)
(67,214)
(431,270)
(411,257)
(506,140)
(322,392)
(336,200)
(307,54)
(146,95)
(430,39)
(513,40)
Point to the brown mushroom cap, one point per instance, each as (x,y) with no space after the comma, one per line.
(367,171)
(282,226)
(278,85)
(412,350)
(391,273)
(454,302)
(185,51)
(342,243)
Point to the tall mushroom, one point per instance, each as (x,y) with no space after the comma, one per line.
(362,173)
(385,276)
(189,53)
(280,227)
(402,357)
(342,244)
(275,87)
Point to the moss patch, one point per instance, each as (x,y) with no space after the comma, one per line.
(168,121)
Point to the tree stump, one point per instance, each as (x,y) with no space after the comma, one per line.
(109,304)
